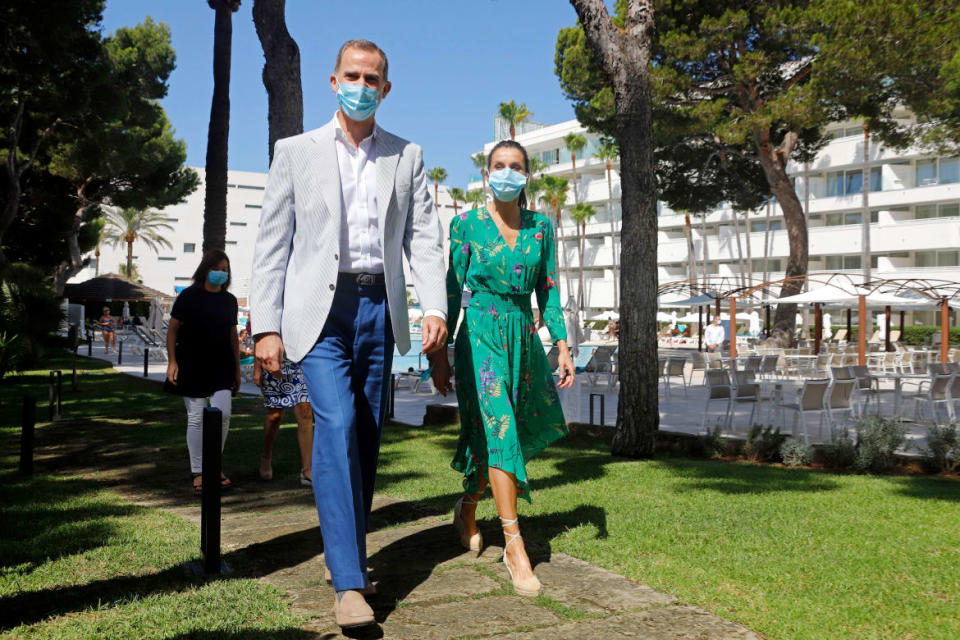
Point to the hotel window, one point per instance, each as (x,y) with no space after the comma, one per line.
(853,131)
(946,210)
(171,219)
(842,263)
(231,242)
(949,170)
(249,186)
(834,183)
(948,258)
(238,224)
(925,258)
(183,278)
(926,172)
(550,157)
(166,259)
(189,247)
(773,265)
(761,225)
(252,206)
(851,262)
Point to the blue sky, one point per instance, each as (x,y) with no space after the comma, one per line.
(451,64)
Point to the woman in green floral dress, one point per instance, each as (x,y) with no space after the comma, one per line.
(509,408)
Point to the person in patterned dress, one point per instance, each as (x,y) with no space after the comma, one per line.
(286,391)
(509,407)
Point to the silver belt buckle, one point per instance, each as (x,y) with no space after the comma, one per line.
(366,279)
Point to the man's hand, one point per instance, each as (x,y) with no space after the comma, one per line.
(440,373)
(269,352)
(434,333)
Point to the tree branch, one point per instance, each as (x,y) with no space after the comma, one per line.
(599,28)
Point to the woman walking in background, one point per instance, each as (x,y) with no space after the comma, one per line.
(204,353)
(509,408)
(108,324)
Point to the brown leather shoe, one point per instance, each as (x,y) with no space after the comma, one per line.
(351,610)
(369,590)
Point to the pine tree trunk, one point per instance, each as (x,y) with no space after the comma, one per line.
(774,168)
(215,197)
(626,58)
(281,71)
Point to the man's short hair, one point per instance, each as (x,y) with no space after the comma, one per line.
(366,45)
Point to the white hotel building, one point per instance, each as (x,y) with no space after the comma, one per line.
(170,270)
(914,207)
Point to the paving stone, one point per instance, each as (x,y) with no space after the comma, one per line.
(484,616)
(461,582)
(666,623)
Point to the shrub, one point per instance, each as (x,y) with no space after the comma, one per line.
(763,444)
(712,444)
(30,312)
(877,440)
(943,443)
(841,452)
(796,453)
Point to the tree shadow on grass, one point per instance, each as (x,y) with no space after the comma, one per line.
(290,633)
(943,489)
(740,478)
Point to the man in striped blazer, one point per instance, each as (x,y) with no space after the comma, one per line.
(342,203)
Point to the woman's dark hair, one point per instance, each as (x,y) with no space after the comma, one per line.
(209,263)
(512,144)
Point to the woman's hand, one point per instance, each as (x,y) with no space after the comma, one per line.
(440,372)
(172,371)
(566,368)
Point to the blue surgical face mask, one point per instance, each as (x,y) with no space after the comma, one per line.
(217,278)
(357,101)
(507,184)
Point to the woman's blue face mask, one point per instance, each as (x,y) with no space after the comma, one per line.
(507,184)
(217,278)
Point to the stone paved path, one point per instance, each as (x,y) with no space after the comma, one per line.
(428,587)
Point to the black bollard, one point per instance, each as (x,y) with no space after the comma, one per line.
(119,352)
(146,362)
(89,344)
(59,394)
(73,382)
(27,422)
(393,394)
(51,396)
(210,504)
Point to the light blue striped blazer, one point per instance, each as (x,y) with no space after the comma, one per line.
(296,258)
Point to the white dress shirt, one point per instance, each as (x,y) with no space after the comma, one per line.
(714,334)
(360,249)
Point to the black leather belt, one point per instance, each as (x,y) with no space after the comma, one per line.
(365,279)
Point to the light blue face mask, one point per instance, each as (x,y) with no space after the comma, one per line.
(217,278)
(357,101)
(507,184)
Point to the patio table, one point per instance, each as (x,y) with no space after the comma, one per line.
(898,379)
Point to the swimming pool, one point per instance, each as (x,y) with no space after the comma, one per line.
(418,361)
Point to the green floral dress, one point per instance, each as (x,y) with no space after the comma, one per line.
(509,408)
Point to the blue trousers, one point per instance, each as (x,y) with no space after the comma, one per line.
(347,374)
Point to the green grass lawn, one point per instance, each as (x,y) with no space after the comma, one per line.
(791,553)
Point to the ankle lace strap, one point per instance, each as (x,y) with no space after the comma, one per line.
(466,499)
(511,537)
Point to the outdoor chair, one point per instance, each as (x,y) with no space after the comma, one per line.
(867,387)
(840,373)
(894,336)
(821,366)
(675,366)
(951,367)
(553,358)
(937,394)
(840,336)
(753,364)
(768,365)
(954,393)
(699,363)
(747,390)
(601,363)
(713,360)
(839,400)
(810,400)
(718,388)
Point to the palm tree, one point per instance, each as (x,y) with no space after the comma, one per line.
(608,151)
(555,191)
(457,195)
(535,165)
(130,225)
(533,189)
(575,144)
(480,162)
(581,213)
(132,275)
(215,196)
(437,175)
(475,197)
(514,114)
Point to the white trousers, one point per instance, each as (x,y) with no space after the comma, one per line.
(221,400)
